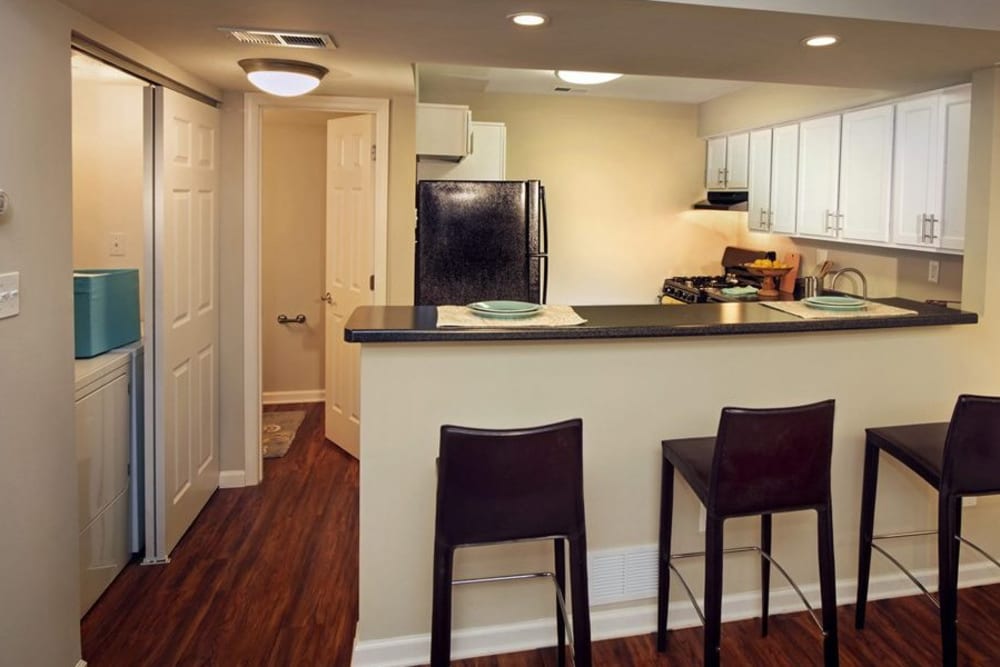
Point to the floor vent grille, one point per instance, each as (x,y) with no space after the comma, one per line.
(299,40)
(619,575)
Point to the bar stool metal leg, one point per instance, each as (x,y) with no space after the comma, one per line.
(713,590)
(666,525)
(765,572)
(828,585)
(869,487)
(560,573)
(947,577)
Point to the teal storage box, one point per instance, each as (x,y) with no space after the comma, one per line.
(106,309)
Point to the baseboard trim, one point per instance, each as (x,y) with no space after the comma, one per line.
(641,619)
(281,397)
(232,479)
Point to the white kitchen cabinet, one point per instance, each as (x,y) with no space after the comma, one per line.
(486,162)
(818,177)
(726,162)
(931,170)
(103,422)
(443,131)
(772,178)
(865,175)
(759,190)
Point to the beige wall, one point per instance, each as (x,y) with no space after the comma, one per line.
(293,234)
(620,178)
(107,173)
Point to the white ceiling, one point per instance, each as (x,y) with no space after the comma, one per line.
(380,40)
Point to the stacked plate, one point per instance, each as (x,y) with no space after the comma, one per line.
(509,310)
(835,302)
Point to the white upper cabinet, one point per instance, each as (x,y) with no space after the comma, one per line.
(726,162)
(957,107)
(759,191)
(443,131)
(865,175)
(784,175)
(486,161)
(818,177)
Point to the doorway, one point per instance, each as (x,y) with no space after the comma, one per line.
(261,309)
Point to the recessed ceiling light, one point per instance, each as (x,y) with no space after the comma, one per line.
(529,19)
(821,40)
(285,78)
(586,78)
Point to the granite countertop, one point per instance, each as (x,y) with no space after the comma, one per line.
(412,324)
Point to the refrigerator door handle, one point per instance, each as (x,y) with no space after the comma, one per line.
(545,277)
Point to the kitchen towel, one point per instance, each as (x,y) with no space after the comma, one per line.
(548,316)
(800,309)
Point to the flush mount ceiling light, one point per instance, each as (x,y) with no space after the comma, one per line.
(285,78)
(529,19)
(586,78)
(821,40)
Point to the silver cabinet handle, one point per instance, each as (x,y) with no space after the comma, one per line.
(328,298)
(930,221)
(763,217)
(829,214)
(840,218)
(770,219)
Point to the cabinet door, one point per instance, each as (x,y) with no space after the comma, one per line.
(486,162)
(955,108)
(917,170)
(759,195)
(784,173)
(737,149)
(715,164)
(866,174)
(818,178)
(442,131)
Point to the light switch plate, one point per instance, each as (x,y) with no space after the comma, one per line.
(116,248)
(10,294)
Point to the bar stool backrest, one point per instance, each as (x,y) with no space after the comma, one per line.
(772,459)
(972,449)
(496,485)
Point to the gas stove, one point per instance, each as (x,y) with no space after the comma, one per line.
(700,289)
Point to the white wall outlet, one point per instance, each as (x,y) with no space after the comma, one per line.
(116,247)
(933,271)
(10,294)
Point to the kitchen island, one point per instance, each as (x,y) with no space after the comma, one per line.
(636,375)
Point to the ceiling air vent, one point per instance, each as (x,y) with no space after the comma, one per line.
(300,40)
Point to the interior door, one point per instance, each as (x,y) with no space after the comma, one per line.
(350,215)
(186,320)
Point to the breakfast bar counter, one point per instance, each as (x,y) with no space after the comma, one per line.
(402,324)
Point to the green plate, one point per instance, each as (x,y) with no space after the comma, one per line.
(502,308)
(835,302)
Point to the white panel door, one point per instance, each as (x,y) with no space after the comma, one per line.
(759,192)
(917,169)
(784,175)
(715,164)
(185,344)
(819,176)
(956,109)
(350,214)
(866,174)
(737,150)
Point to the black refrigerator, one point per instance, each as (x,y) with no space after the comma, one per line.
(480,240)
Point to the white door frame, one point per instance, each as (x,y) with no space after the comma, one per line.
(253,107)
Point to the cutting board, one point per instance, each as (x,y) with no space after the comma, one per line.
(792,259)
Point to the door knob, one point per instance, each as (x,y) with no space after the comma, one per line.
(328,298)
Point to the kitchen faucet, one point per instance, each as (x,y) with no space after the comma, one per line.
(849,269)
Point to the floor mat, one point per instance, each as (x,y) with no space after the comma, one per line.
(278,431)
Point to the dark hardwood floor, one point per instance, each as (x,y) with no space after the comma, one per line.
(268,576)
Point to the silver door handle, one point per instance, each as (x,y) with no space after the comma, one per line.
(328,298)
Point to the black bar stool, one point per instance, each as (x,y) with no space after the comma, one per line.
(761,462)
(506,485)
(958,458)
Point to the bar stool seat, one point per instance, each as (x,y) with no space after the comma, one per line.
(501,485)
(957,458)
(761,462)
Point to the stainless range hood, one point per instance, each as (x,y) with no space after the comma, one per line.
(724,200)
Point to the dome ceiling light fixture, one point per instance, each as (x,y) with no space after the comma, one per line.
(821,40)
(586,78)
(529,19)
(284,78)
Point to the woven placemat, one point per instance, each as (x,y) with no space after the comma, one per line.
(548,316)
(873,309)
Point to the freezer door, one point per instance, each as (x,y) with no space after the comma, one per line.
(475,241)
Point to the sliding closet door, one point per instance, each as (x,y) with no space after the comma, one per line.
(186,320)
